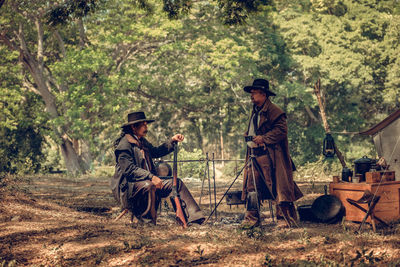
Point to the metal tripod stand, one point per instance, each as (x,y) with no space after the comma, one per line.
(251,160)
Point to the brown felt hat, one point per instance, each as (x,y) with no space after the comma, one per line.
(260,84)
(136,117)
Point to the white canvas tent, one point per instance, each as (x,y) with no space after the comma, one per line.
(386,136)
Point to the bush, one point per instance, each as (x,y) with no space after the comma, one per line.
(318,171)
(231,168)
(191,169)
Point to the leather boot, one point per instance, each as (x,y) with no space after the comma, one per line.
(293,212)
(250,219)
(252,216)
(189,205)
(288,213)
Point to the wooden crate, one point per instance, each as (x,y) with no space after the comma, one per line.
(376,177)
(387,209)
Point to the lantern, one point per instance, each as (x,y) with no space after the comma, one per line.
(328,146)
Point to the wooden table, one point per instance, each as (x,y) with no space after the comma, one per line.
(387,209)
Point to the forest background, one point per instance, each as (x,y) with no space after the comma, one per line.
(70,72)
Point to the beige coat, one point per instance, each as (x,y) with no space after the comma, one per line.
(274,159)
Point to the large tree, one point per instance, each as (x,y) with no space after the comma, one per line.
(75,62)
(349,46)
(64,69)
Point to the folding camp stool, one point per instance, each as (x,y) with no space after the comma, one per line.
(371,200)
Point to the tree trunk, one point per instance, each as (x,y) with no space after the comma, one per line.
(197,132)
(37,71)
(222,143)
(71,158)
(86,155)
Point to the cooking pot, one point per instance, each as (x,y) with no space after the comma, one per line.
(363,165)
(234,198)
(328,208)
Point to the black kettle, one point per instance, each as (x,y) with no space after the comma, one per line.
(346,174)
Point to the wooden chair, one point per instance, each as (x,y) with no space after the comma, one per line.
(371,200)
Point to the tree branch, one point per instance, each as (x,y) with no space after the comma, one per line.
(40,34)
(317,92)
(133,50)
(165,100)
(238,99)
(60,42)
(28,85)
(311,114)
(7,41)
(83,40)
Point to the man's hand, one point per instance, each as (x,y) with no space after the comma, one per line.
(157,182)
(178,138)
(258,140)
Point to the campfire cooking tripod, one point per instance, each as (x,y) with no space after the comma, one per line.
(253,161)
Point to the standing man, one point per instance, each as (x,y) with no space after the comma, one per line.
(135,184)
(273,167)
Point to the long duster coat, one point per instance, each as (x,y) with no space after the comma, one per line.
(131,167)
(274,159)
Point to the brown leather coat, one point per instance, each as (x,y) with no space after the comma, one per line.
(273,158)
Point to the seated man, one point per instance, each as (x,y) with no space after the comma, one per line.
(135,184)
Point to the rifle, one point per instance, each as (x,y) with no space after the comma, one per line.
(180,215)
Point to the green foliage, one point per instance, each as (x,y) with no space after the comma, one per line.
(53,159)
(69,10)
(236,12)
(320,170)
(191,169)
(337,42)
(231,168)
(189,73)
(22,126)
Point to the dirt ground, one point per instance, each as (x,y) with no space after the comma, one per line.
(56,220)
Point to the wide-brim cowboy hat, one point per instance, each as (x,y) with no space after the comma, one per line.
(136,117)
(259,84)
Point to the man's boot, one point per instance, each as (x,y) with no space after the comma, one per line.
(252,216)
(189,205)
(288,213)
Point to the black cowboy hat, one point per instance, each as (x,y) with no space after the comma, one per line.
(136,117)
(260,84)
